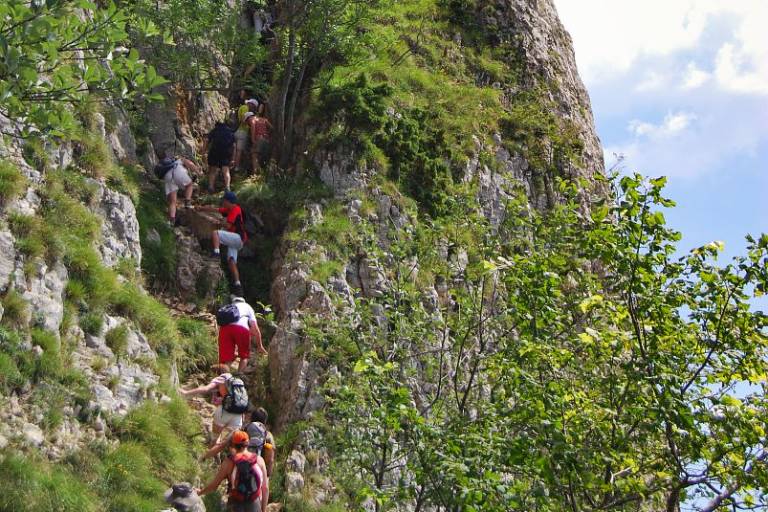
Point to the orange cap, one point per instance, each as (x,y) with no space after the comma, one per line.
(239,438)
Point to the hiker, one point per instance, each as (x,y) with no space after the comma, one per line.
(246,481)
(220,146)
(230,397)
(261,442)
(260,128)
(242,133)
(237,327)
(183,498)
(174,171)
(233,237)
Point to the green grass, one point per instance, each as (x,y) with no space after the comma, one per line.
(324,270)
(15,310)
(12,182)
(32,485)
(199,349)
(117,340)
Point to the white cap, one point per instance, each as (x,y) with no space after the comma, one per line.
(247,115)
(237,299)
(252,101)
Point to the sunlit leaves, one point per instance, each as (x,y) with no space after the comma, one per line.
(54,55)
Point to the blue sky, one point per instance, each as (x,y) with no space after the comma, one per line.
(680,88)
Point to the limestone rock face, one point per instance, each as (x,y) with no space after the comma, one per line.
(43,291)
(120,227)
(196,275)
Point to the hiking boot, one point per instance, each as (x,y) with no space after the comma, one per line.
(187,203)
(214,254)
(237,289)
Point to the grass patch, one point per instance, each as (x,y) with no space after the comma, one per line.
(117,340)
(92,323)
(15,310)
(12,182)
(199,349)
(31,485)
(324,270)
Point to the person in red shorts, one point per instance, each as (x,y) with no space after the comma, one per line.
(236,337)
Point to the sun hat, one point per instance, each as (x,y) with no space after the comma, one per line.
(229,196)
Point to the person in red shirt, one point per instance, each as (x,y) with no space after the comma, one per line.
(233,237)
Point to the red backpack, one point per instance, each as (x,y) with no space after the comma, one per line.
(245,484)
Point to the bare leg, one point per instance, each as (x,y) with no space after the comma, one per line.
(172,205)
(243,365)
(215,239)
(238,156)
(188,192)
(216,434)
(233,270)
(225,174)
(212,172)
(255,161)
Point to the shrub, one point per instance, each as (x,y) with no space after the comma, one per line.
(357,105)
(199,348)
(150,315)
(12,182)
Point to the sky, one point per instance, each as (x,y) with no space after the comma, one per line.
(680,89)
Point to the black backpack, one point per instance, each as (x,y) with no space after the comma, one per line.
(227,314)
(221,137)
(165,165)
(236,401)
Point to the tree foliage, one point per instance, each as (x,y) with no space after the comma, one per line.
(56,53)
(573,362)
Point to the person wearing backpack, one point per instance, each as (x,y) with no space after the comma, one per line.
(230,397)
(233,237)
(261,441)
(174,172)
(245,473)
(237,327)
(220,146)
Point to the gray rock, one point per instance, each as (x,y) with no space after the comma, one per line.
(196,275)
(294,483)
(296,461)
(44,292)
(120,229)
(7,258)
(3,442)
(32,434)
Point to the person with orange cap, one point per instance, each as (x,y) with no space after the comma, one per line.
(246,476)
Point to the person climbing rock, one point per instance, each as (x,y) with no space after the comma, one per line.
(233,237)
(220,146)
(261,441)
(222,386)
(237,327)
(183,498)
(174,171)
(245,473)
(260,129)
(242,133)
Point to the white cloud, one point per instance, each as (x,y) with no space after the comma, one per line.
(672,125)
(653,81)
(611,35)
(694,77)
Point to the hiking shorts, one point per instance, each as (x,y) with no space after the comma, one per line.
(224,419)
(244,506)
(233,242)
(219,158)
(233,337)
(176,178)
(262,148)
(241,139)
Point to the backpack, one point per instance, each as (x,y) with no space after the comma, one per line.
(165,165)
(246,484)
(227,314)
(236,399)
(257,432)
(221,137)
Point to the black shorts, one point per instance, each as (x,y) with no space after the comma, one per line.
(219,158)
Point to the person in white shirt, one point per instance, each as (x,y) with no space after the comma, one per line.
(236,337)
